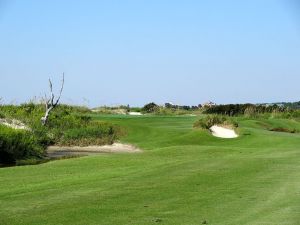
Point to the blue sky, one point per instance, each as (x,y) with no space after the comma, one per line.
(137,51)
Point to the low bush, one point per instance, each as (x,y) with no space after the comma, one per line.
(150,108)
(18,144)
(211,120)
(97,133)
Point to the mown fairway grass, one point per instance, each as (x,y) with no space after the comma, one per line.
(184,176)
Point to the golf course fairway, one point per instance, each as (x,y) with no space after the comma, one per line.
(183,176)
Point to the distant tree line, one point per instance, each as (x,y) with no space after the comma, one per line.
(240,109)
(183,107)
(226,109)
(291,105)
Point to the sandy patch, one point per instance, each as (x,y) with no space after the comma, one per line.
(223,132)
(60,151)
(135,114)
(15,124)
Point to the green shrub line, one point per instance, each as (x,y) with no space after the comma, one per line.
(68,125)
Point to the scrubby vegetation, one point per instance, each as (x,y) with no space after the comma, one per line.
(96,133)
(243,109)
(122,109)
(17,145)
(279,111)
(67,125)
(168,109)
(150,108)
(207,122)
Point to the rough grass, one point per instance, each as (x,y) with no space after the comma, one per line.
(184,176)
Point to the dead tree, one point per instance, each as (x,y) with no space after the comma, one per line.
(50,103)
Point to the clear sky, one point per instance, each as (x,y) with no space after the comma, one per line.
(137,51)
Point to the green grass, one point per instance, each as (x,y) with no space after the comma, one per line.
(184,176)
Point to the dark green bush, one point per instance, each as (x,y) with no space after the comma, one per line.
(150,108)
(18,144)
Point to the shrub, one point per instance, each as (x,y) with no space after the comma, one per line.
(18,144)
(96,133)
(211,120)
(150,108)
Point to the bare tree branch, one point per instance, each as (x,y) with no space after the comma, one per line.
(49,102)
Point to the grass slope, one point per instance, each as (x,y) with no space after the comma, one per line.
(184,176)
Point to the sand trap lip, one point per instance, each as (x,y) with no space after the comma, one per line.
(222,132)
(60,151)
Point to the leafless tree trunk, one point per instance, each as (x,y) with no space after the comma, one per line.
(50,103)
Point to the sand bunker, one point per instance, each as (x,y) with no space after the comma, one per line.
(61,151)
(135,114)
(222,132)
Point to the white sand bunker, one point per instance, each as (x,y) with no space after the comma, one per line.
(135,114)
(61,151)
(222,132)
